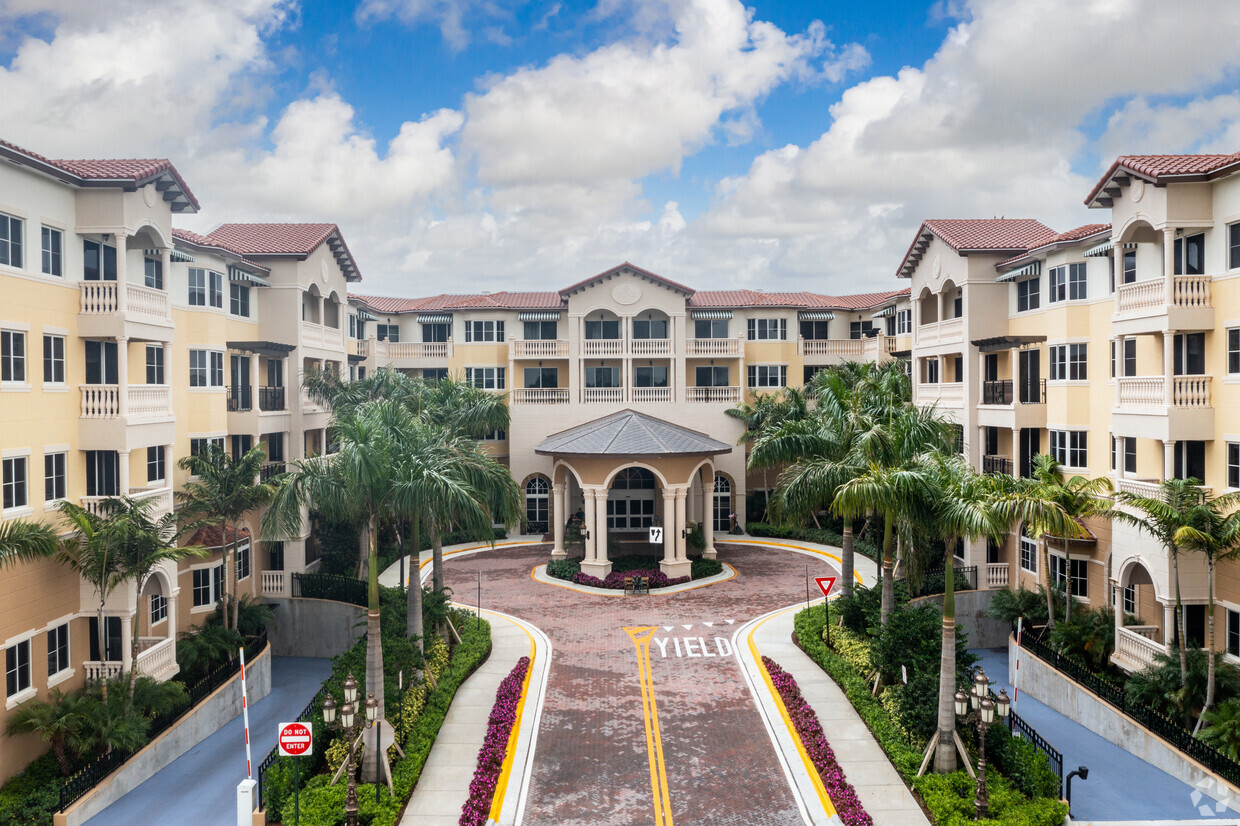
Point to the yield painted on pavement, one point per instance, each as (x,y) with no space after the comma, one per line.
(654,739)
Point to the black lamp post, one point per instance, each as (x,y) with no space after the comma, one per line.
(1081,772)
(983,713)
(348,716)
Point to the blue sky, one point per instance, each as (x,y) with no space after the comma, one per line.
(515,145)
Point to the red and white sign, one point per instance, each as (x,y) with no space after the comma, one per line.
(295,739)
(825,583)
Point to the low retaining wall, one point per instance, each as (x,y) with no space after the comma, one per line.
(983,631)
(313,627)
(1042,682)
(207,718)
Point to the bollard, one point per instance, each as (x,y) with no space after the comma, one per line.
(246,794)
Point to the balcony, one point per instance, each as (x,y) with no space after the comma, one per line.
(388,352)
(712,347)
(948,331)
(271,470)
(1135,648)
(830,347)
(100,302)
(274,584)
(1150,392)
(161,499)
(602,395)
(1183,302)
(651,395)
(997,392)
(602,347)
(998,464)
(538,349)
(240,399)
(324,338)
(650,347)
(539,395)
(157,659)
(144,401)
(945,394)
(996,575)
(714,395)
(271,399)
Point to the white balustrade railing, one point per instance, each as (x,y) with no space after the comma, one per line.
(150,401)
(1147,631)
(534,348)
(1137,648)
(602,347)
(539,395)
(1139,487)
(147,303)
(363,348)
(951,329)
(1191,291)
(273,584)
(608,395)
(317,335)
(651,394)
(1191,391)
(98,297)
(830,347)
(712,347)
(1141,296)
(947,394)
(714,395)
(393,350)
(650,347)
(896,344)
(100,401)
(159,660)
(102,670)
(996,574)
(1141,391)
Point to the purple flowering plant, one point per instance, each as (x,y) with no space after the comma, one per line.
(477,808)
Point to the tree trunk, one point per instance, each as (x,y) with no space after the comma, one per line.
(236,606)
(1046,567)
(889,586)
(846,575)
(436,557)
(133,646)
(103,635)
(1067,569)
(374,639)
(1179,616)
(413,597)
(766,497)
(945,749)
(1210,637)
(224,578)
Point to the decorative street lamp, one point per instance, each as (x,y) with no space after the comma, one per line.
(983,712)
(347,718)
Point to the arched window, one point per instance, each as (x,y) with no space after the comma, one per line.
(634,478)
(722,503)
(537,504)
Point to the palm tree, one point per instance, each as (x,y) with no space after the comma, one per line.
(58,720)
(1162,517)
(22,541)
(92,551)
(766,412)
(220,491)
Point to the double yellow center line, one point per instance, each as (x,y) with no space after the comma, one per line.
(654,740)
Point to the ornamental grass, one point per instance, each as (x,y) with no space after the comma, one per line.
(477,808)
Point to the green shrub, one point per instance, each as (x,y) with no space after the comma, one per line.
(822,536)
(1021,762)
(703,568)
(563,568)
(1009,604)
(1089,636)
(33,796)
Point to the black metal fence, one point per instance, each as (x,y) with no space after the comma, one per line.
(934,580)
(998,464)
(1116,695)
(997,392)
(270,398)
(330,586)
(1017,725)
(90,776)
(267,762)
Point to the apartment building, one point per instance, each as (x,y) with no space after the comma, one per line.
(1115,347)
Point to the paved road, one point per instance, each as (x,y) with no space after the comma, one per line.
(1121,786)
(200,787)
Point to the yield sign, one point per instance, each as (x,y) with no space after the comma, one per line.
(825,583)
(295,739)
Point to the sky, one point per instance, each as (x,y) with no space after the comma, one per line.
(484,145)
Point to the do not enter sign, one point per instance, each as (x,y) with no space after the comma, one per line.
(295,739)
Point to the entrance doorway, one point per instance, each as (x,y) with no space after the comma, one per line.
(722,503)
(630,502)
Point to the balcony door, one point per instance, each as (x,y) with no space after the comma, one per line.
(542,377)
(711,376)
(1030,446)
(1030,377)
(103,476)
(98,261)
(239,381)
(1189,354)
(111,639)
(101,362)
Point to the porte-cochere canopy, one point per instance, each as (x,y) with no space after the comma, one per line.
(629,433)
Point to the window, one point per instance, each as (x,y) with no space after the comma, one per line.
(603,329)
(1130,455)
(434,373)
(1129,599)
(1114,452)
(710,328)
(1068,447)
(391,332)
(353,326)
(1190,255)
(239,300)
(1068,362)
(542,377)
(154,364)
(275,447)
(768,329)
(243,561)
(58,649)
(651,376)
(904,322)
(932,371)
(16,493)
(10,240)
(1129,269)
(1028,295)
(243,443)
(476,331)
(1075,571)
(101,362)
(1233,465)
(1233,246)
(54,486)
(1028,553)
(153,273)
(102,473)
(1130,357)
(768,375)
(207,585)
(1233,349)
(542,330)
(1190,460)
(815,330)
(716,376)
(53,359)
(155,466)
(199,446)
(17,668)
(537,499)
(602,377)
(1112,358)
(206,368)
(53,251)
(497,435)
(215,289)
(488,378)
(860,329)
(12,356)
(1067,283)
(1189,354)
(159,608)
(646,328)
(206,288)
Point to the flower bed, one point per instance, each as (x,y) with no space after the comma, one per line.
(843,795)
(503,717)
(615,580)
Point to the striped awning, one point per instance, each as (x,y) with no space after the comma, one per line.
(885,312)
(243,277)
(434,318)
(815,315)
(711,315)
(538,315)
(1106,247)
(1032,268)
(365,316)
(176,255)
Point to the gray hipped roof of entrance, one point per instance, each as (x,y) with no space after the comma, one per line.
(629,433)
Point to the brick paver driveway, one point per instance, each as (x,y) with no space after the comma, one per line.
(593,758)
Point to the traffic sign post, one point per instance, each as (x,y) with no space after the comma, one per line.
(295,740)
(825,584)
(656,535)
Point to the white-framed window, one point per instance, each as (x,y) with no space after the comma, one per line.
(243,561)
(1069,362)
(1129,594)
(711,376)
(602,376)
(1190,254)
(387,332)
(650,328)
(1068,447)
(206,288)
(156,467)
(1233,349)
(1074,573)
(207,585)
(860,329)
(58,649)
(1028,553)
(1233,465)
(153,273)
(768,329)
(159,608)
(17,677)
(488,378)
(53,251)
(768,375)
(1067,283)
(16,483)
(55,480)
(710,328)
(904,322)
(239,300)
(479,331)
(199,445)
(1233,246)
(154,364)
(1028,294)
(53,359)
(206,368)
(11,240)
(13,356)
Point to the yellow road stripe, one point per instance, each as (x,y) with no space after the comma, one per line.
(501,786)
(783,711)
(654,739)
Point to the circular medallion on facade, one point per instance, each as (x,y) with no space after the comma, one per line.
(626,293)
(936,268)
(1138,189)
(323,269)
(149,195)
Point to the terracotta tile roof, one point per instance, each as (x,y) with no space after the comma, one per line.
(967,235)
(1063,238)
(133,171)
(1157,168)
(741,299)
(206,243)
(287,239)
(212,537)
(627,266)
(485,301)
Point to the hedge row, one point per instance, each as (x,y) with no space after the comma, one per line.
(822,536)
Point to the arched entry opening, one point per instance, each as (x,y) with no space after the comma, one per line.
(630,500)
(537,504)
(1142,620)
(721,508)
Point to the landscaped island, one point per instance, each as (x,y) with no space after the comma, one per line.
(629,567)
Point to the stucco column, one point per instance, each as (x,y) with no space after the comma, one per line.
(1168,623)
(558,517)
(678,565)
(1168,342)
(1169,266)
(1119,365)
(122,375)
(1168,460)
(1016,451)
(588,497)
(172,612)
(669,525)
(165,264)
(597,565)
(708,516)
(682,524)
(254,377)
(123,472)
(122,294)
(127,621)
